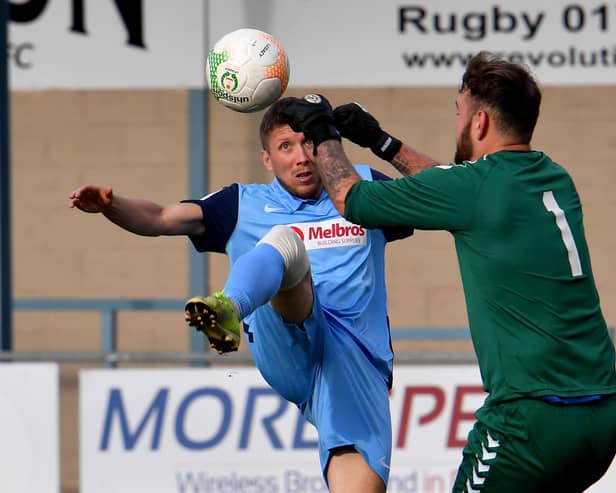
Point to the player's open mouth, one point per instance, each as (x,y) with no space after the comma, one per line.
(303,177)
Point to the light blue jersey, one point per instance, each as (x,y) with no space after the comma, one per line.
(337,367)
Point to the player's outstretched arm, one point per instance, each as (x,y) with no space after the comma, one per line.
(139,216)
(355,123)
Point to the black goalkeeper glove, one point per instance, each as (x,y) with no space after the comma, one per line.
(313,116)
(356,124)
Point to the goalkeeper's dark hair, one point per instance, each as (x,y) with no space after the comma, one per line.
(273,118)
(508,89)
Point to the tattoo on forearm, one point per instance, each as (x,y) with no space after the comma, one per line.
(410,162)
(337,173)
(401,164)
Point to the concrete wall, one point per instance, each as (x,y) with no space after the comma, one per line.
(137,142)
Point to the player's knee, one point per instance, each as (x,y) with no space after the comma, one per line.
(293,251)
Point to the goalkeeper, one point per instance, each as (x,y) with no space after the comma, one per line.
(544,352)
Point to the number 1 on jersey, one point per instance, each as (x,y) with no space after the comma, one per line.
(565,232)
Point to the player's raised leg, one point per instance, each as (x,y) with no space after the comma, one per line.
(285,281)
(294,300)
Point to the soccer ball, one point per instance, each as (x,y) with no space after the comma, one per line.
(247,70)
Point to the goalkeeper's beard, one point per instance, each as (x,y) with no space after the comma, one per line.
(464,146)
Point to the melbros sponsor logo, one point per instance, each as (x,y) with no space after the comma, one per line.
(328,234)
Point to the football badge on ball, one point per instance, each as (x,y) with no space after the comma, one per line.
(247,70)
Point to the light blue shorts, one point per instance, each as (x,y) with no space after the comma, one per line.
(325,371)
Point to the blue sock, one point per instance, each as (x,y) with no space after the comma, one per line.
(255,278)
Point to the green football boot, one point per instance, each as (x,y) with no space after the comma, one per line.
(217,317)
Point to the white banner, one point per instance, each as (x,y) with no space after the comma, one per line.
(106,44)
(420,43)
(161,44)
(29,428)
(214,431)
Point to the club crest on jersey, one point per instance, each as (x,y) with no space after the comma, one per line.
(329,234)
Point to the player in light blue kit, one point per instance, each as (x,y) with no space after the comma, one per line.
(309,287)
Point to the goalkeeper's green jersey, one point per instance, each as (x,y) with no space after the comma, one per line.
(532,304)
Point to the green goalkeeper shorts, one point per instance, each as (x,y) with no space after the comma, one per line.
(529,445)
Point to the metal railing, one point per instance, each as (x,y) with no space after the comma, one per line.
(110,356)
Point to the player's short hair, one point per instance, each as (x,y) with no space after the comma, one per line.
(508,89)
(273,118)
